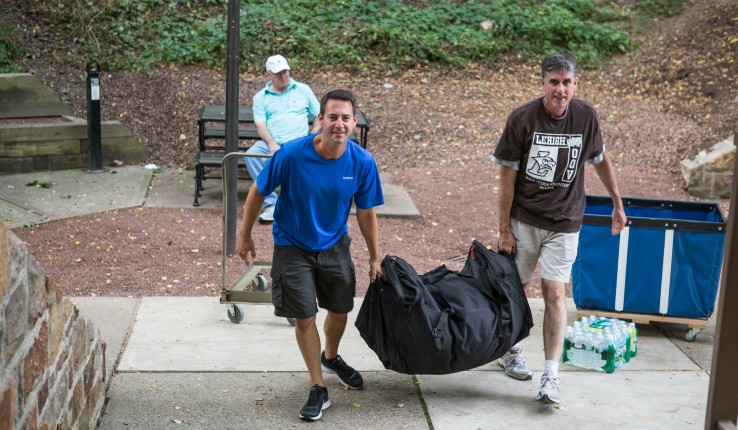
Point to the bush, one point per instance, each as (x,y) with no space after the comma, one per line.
(357,34)
(10,55)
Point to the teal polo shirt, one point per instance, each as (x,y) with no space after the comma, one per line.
(286,114)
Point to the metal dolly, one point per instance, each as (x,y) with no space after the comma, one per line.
(251,286)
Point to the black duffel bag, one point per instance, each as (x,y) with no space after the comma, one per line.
(445,321)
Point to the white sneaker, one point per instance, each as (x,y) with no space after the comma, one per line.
(549,391)
(514,364)
(267,215)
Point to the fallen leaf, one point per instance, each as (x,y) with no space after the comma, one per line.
(357,405)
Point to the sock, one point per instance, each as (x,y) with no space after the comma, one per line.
(551,368)
(515,348)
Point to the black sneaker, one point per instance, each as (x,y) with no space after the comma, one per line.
(347,374)
(317,402)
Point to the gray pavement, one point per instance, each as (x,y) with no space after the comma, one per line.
(179,361)
(184,363)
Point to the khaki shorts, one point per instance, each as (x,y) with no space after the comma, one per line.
(555,251)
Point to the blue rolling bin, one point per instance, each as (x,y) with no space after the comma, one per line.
(664,266)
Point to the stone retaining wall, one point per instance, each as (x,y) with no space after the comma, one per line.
(53,359)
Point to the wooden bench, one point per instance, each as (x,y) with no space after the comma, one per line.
(211,140)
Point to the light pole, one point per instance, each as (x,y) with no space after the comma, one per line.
(231,127)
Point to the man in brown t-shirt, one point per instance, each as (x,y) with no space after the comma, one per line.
(542,153)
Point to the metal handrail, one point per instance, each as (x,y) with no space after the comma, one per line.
(225,212)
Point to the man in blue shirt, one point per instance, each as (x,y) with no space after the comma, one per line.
(320,175)
(281,111)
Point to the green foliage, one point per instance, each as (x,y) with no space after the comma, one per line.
(649,8)
(354,33)
(136,34)
(10,54)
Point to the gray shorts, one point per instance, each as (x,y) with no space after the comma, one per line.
(556,252)
(299,276)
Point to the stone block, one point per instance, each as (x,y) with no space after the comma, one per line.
(59,162)
(57,319)
(4,251)
(3,340)
(78,345)
(48,132)
(88,374)
(32,149)
(61,357)
(77,402)
(706,175)
(36,361)
(55,146)
(8,402)
(57,401)
(25,96)
(722,185)
(724,164)
(16,165)
(17,254)
(31,418)
(42,395)
(16,310)
(96,398)
(36,288)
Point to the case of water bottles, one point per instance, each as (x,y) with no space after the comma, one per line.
(598,343)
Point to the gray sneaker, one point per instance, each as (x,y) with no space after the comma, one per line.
(317,402)
(549,391)
(514,364)
(267,215)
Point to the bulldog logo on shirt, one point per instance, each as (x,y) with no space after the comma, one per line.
(548,151)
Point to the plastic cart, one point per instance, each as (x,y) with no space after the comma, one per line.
(664,266)
(252,286)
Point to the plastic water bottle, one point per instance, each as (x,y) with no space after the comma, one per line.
(632,340)
(602,344)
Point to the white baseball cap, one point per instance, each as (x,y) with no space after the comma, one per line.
(276,64)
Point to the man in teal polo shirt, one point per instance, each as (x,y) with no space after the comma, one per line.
(281,111)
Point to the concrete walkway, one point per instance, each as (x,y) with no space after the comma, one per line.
(180,361)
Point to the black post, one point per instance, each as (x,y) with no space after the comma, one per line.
(94,152)
(231,127)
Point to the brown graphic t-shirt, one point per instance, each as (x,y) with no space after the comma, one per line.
(549,189)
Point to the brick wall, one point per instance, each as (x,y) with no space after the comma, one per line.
(52,359)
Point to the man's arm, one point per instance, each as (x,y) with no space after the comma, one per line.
(245,244)
(607,176)
(264,134)
(367,219)
(506,242)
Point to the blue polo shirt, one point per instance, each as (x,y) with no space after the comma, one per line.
(316,195)
(286,114)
